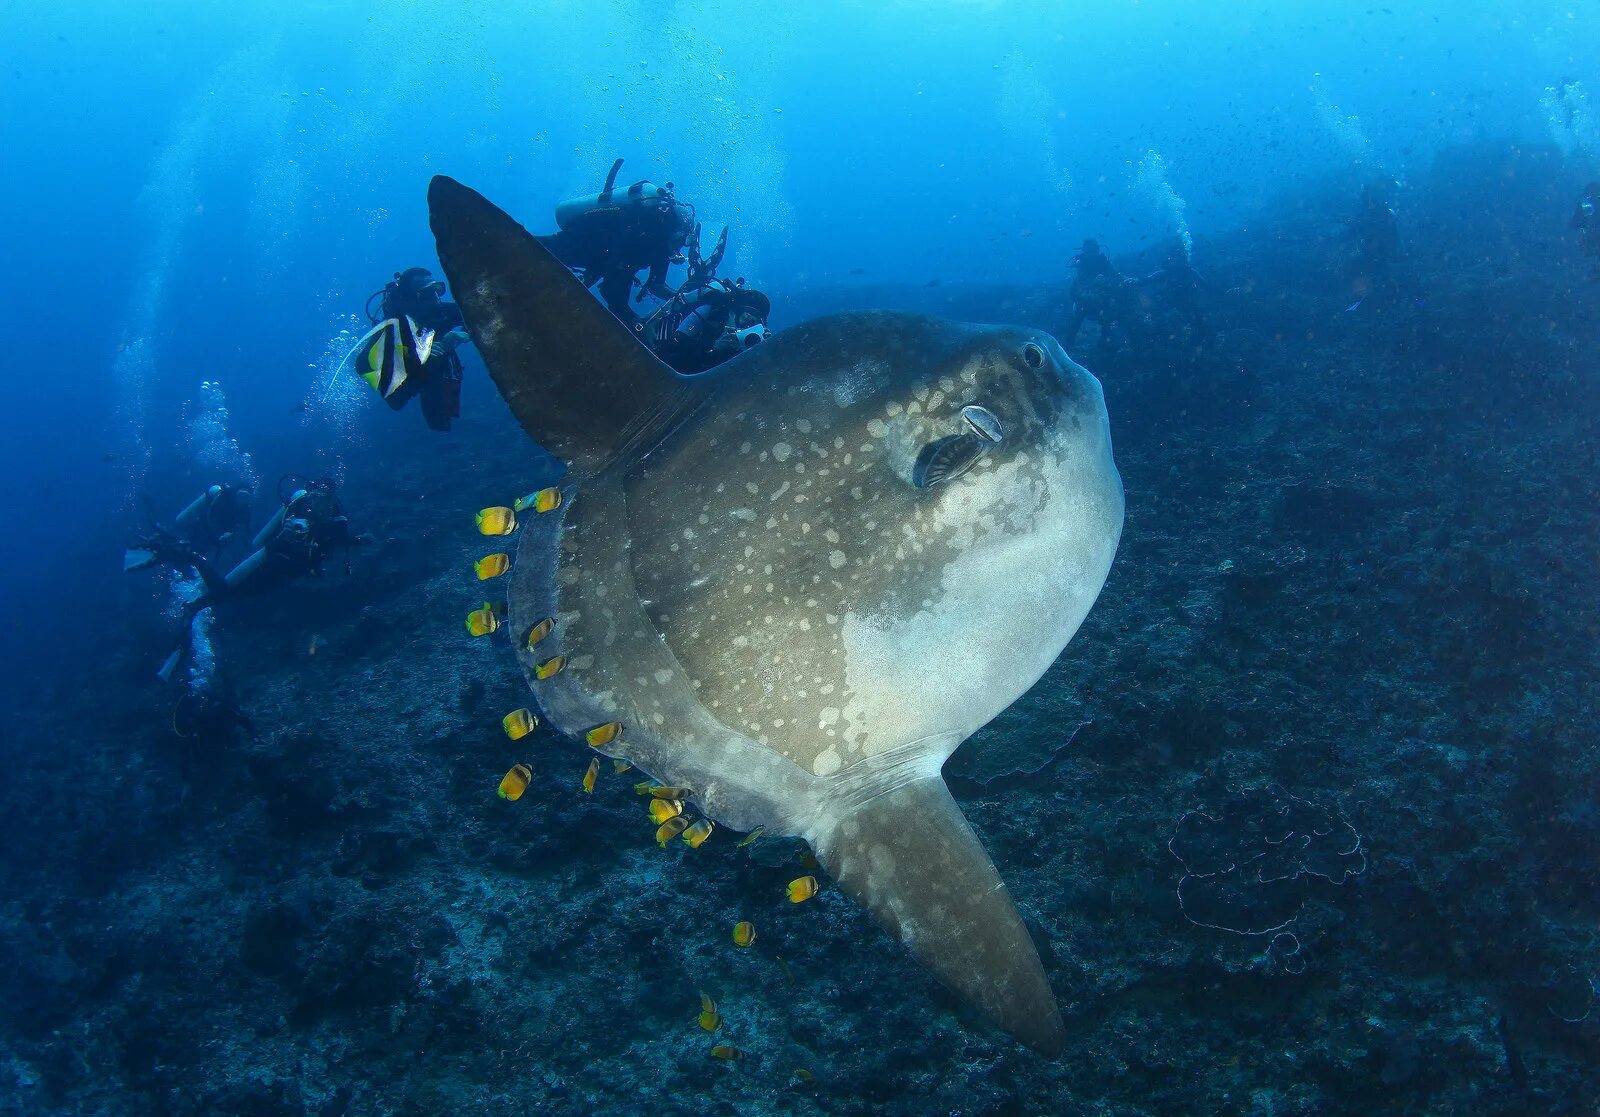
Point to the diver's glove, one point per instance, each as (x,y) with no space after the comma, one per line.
(453,340)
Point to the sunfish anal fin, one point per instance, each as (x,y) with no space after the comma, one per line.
(910,858)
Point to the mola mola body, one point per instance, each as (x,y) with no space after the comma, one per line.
(801,580)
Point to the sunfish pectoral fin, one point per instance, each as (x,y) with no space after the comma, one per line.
(910,858)
(576,378)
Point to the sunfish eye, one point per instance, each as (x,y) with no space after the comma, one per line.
(945,459)
(1033,354)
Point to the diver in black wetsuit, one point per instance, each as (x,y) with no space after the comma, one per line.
(1373,235)
(295,543)
(1099,292)
(416,295)
(699,329)
(213,519)
(1586,219)
(206,525)
(609,237)
(1180,287)
(709,320)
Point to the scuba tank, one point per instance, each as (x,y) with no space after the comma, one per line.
(641,193)
(196,506)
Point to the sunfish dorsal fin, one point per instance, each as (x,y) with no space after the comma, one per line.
(579,383)
(909,857)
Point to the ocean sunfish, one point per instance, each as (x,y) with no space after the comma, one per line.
(801,580)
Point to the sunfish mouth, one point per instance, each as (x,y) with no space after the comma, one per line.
(945,459)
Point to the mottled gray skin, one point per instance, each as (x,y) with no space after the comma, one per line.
(784,623)
(743,573)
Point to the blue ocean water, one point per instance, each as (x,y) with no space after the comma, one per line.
(230,185)
(1358,566)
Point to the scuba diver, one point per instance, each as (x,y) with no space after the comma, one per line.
(411,350)
(1373,237)
(609,237)
(1099,292)
(1179,287)
(309,525)
(1586,219)
(709,320)
(698,330)
(207,524)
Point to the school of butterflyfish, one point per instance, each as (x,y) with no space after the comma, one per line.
(667,807)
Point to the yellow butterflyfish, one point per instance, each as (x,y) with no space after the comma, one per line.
(750,837)
(515,782)
(545,500)
(481,622)
(519,723)
(492,566)
(698,832)
(803,1075)
(538,632)
(549,667)
(620,766)
(591,776)
(662,792)
(670,829)
(663,809)
(498,520)
(727,1052)
(802,889)
(744,933)
(710,1018)
(602,735)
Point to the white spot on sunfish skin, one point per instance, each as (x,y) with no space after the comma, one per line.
(663,676)
(781,451)
(827,763)
(876,428)
(836,559)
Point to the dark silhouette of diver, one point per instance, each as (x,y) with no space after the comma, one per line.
(1586,219)
(1373,240)
(708,320)
(1180,288)
(699,330)
(309,526)
(610,237)
(1099,293)
(214,518)
(416,295)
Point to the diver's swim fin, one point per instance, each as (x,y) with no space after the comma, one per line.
(169,666)
(910,858)
(576,379)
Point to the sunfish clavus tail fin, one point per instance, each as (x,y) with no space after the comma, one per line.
(576,379)
(910,858)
